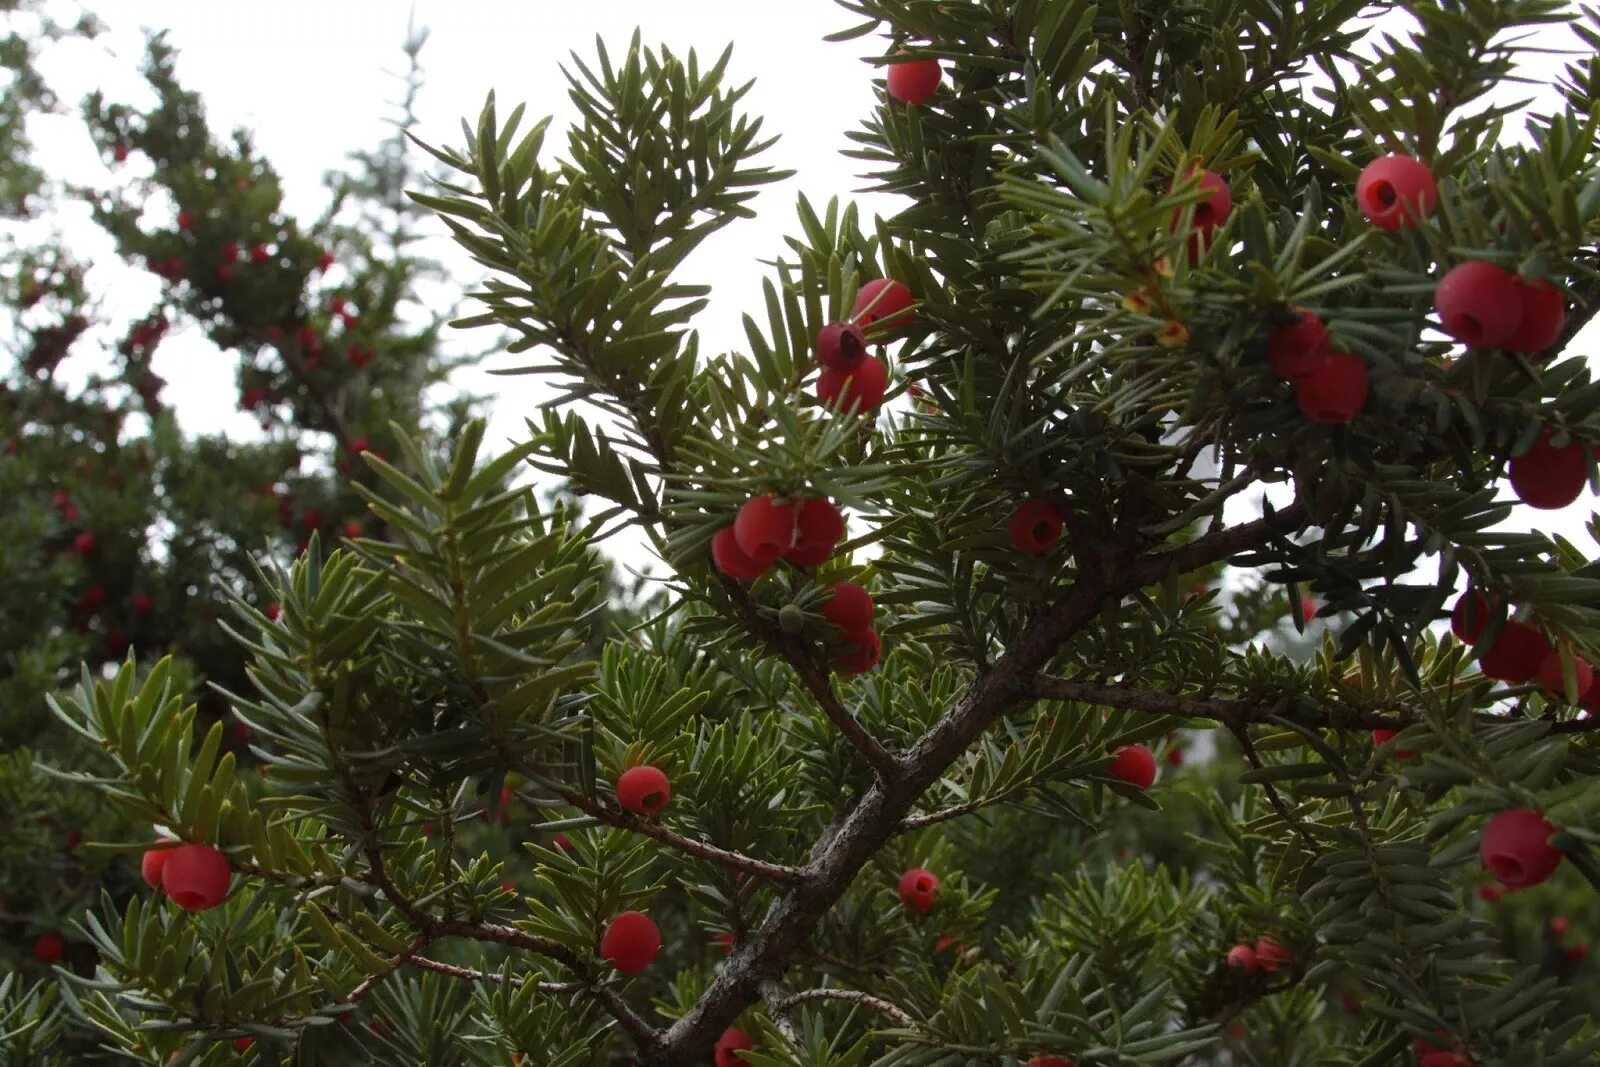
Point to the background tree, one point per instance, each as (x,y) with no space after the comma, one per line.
(783,823)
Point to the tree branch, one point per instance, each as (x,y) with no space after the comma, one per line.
(628,821)
(866,1000)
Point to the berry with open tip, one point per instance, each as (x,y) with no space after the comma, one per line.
(196,877)
(1479,304)
(1396,191)
(1214,210)
(884,303)
(841,345)
(1034,527)
(919,888)
(1515,848)
(643,790)
(630,942)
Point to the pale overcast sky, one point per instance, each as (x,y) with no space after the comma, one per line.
(309,78)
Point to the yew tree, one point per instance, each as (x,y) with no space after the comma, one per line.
(1287,293)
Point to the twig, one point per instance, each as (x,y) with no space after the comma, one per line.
(866,1000)
(470,975)
(628,821)
(394,964)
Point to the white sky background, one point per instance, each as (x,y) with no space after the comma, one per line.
(309,78)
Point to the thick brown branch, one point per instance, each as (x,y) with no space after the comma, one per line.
(628,821)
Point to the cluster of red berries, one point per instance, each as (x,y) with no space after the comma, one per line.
(800,531)
(1329,386)
(196,877)
(1486,306)
(849,607)
(1266,956)
(1520,653)
(851,379)
(1572,954)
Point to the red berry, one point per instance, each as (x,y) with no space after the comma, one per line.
(325,261)
(1444,1059)
(862,651)
(1034,527)
(1270,955)
(230,253)
(119,153)
(1516,654)
(1479,304)
(818,529)
(84,544)
(352,529)
(1051,1061)
(1210,212)
(153,862)
(48,948)
(1394,191)
(1175,757)
(1135,765)
(336,305)
(765,527)
(1335,391)
(61,499)
(856,391)
(630,942)
(92,600)
(260,253)
(919,887)
(360,445)
(185,221)
(1547,477)
(1515,848)
(310,340)
(644,790)
(1242,958)
(1576,954)
(725,939)
(1298,348)
(731,560)
(729,1045)
(1544,313)
(1469,615)
(883,301)
(196,877)
(913,81)
(1383,737)
(1491,893)
(274,609)
(841,345)
(360,356)
(243,1044)
(849,606)
(1559,926)
(1550,678)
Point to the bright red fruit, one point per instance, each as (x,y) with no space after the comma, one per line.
(1559,926)
(859,390)
(1469,615)
(1547,477)
(1135,765)
(185,221)
(1034,527)
(644,790)
(883,301)
(49,948)
(1479,304)
(1544,313)
(325,261)
(1299,347)
(919,887)
(196,877)
(260,253)
(1394,191)
(152,864)
(1515,848)
(119,153)
(731,560)
(913,81)
(140,603)
(244,1044)
(1213,210)
(85,544)
(1335,391)
(729,1045)
(1491,894)
(1383,737)
(1242,958)
(1550,679)
(841,345)
(765,527)
(1270,955)
(273,610)
(1516,654)
(849,606)
(818,529)
(230,253)
(631,941)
